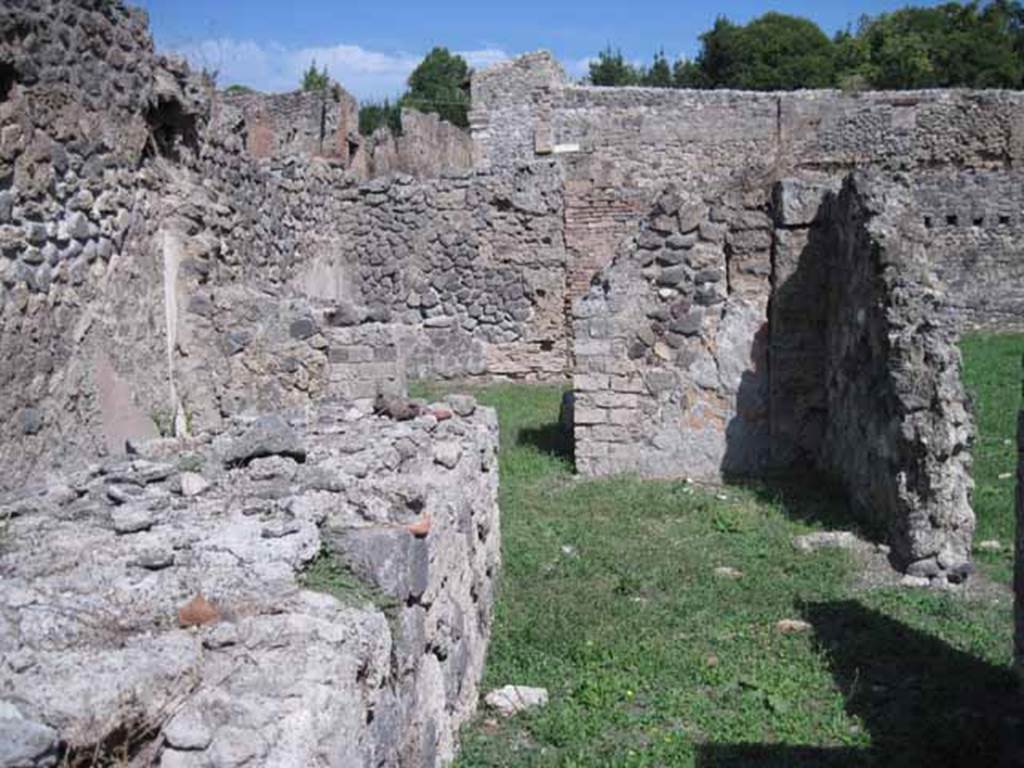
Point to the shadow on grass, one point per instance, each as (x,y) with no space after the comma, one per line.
(922,702)
(809,496)
(551,439)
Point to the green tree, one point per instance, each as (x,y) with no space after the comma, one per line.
(314,79)
(773,52)
(687,74)
(901,61)
(659,75)
(946,45)
(374,115)
(611,68)
(972,44)
(440,84)
(721,53)
(850,57)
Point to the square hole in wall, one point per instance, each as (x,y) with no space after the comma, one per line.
(928,222)
(979,221)
(1004,220)
(951,219)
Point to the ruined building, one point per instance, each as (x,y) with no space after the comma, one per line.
(201,293)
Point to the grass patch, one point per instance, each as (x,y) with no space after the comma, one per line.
(992,375)
(327,573)
(609,599)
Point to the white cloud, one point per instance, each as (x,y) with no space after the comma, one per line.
(240,61)
(485,57)
(363,73)
(271,67)
(579,68)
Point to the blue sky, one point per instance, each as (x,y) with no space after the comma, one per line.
(371,46)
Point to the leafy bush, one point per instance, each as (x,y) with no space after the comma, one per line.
(314,79)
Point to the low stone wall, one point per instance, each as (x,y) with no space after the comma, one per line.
(346,566)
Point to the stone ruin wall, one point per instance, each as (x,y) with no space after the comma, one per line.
(427,147)
(151,282)
(701,350)
(452,276)
(271,273)
(80,317)
(314,123)
(619,147)
(897,429)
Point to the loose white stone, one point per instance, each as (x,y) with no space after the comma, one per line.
(513,699)
(812,542)
(792,626)
(728,572)
(915,582)
(447,454)
(193,484)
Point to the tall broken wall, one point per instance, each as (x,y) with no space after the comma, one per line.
(740,334)
(82,331)
(321,123)
(897,431)
(173,256)
(325,123)
(427,147)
